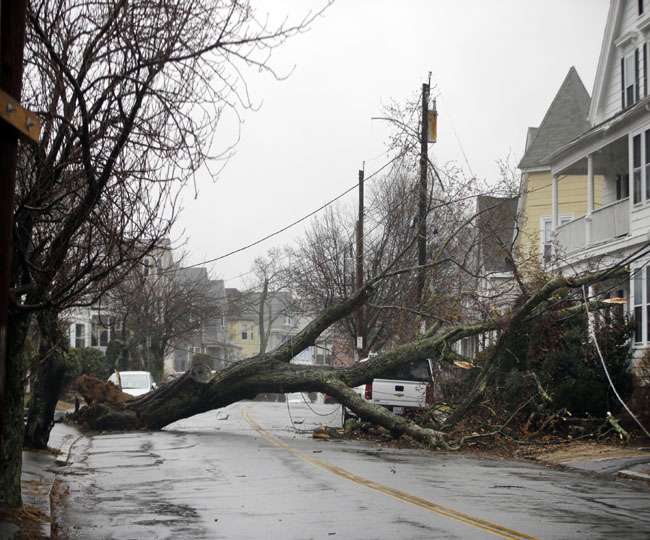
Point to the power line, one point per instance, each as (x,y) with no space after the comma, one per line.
(294,223)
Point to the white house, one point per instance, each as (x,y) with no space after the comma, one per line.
(94,326)
(615,147)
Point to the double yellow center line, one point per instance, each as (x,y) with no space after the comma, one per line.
(493,528)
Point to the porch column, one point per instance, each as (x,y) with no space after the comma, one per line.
(555,211)
(590,197)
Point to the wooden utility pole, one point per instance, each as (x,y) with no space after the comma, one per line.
(422,203)
(14,121)
(359,278)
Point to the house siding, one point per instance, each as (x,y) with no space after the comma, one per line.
(611,98)
(640,220)
(248,347)
(572,197)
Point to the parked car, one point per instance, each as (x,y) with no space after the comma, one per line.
(408,387)
(135,383)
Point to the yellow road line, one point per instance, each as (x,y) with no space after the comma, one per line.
(478,523)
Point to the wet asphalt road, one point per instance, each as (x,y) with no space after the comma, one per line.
(217,476)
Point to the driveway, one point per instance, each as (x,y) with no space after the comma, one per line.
(247,472)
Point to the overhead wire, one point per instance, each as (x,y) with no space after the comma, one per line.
(293,223)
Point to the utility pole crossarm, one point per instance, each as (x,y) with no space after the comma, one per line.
(27,124)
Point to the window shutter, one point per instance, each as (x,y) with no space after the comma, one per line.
(645,69)
(623,83)
(636,75)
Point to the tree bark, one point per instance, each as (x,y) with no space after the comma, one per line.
(12,412)
(198,391)
(48,382)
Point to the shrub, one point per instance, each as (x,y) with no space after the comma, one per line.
(86,361)
(569,366)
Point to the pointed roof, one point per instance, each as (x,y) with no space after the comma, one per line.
(566,119)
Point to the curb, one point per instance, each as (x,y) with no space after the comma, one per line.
(62,459)
(68,442)
(628,473)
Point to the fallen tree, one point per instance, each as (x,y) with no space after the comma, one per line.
(199,391)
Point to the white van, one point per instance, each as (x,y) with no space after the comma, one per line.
(135,383)
(407,387)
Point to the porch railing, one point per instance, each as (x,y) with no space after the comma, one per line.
(610,221)
(572,236)
(607,223)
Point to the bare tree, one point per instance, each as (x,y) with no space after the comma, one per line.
(131,94)
(155,309)
(270,296)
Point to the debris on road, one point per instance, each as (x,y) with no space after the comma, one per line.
(326,432)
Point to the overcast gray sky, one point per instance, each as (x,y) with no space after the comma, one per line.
(497,65)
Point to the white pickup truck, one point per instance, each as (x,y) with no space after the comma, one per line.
(408,387)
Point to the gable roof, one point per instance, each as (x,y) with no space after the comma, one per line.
(565,119)
(604,59)
(530,136)
(496,225)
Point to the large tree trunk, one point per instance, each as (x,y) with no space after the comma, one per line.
(48,383)
(198,391)
(12,412)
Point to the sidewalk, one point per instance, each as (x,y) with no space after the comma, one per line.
(626,462)
(39,472)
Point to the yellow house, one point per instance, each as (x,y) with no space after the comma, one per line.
(244,334)
(565,120)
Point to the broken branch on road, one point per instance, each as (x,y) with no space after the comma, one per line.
(199,391)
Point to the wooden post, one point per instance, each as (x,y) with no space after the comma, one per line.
(422,205)
(12,41)
(361,337)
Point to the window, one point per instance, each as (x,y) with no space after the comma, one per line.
(94,341)
(645,69)
(636,168)
(79,335)
(100,331)
(640,6)
(149,263)
(622,186)
(547,238)
(244,335)
(547,234)
(630,79)
(647,300)
(104,336)
(637,282)
(288,320)
(418,370)
(646,159)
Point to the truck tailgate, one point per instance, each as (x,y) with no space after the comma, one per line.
(396,393)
